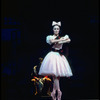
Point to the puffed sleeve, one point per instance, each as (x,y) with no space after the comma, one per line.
(66,37)
(48,38)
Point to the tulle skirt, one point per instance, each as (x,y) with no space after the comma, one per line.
(55,65)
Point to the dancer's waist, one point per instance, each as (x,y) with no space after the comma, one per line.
(60,51)
(52,49)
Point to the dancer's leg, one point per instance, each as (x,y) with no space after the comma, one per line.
(56,81)
(53,94)
(54,84)
(58,88)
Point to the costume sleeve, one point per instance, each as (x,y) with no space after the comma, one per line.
(48,38)
(66,36)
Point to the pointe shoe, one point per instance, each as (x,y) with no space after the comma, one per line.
(59,95)
(53,95)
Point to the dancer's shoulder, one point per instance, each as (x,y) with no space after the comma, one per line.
(48,38)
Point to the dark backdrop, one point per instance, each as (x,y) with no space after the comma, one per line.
(24,27)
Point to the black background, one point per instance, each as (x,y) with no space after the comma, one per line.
(79,20)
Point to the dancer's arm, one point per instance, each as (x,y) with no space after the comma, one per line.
(65,41)
(56,40)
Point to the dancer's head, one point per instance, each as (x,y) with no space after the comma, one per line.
(56,27)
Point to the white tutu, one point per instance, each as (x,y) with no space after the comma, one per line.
(55,65)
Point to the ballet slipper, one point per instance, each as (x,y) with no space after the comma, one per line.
(59,95)
(53,95)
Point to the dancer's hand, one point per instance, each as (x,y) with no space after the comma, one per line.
(62,39)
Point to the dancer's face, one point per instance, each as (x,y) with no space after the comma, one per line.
(56,30)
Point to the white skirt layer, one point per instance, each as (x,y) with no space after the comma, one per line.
(55,65)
